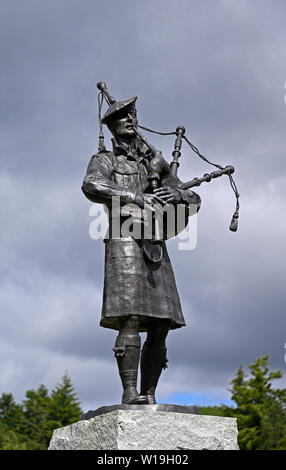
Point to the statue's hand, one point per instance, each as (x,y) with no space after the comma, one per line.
(151,201)
(168,194)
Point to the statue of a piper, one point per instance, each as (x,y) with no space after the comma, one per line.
(140,293)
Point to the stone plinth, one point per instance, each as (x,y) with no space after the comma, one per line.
(147,429)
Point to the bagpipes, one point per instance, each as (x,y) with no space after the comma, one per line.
(158,165)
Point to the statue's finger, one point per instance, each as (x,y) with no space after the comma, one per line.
(161,190)
(159,199)
(164,195)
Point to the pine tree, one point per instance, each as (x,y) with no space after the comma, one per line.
(65,406)
(11,413)
(10,440)
(13,426)
(36,409)
(261,409)
(30,425)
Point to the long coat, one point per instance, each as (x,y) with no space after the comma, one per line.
(134,284)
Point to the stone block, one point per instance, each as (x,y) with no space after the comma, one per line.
(134,429)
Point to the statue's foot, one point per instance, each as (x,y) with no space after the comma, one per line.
(137,400)
(134,398)
(151,399)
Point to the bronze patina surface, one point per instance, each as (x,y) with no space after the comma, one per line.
(140,293)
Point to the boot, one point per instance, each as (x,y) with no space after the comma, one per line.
(128,369)
(153,360)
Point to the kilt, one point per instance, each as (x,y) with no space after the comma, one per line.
(134,285)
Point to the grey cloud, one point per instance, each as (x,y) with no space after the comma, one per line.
(217,70)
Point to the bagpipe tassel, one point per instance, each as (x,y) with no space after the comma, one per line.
(234,222)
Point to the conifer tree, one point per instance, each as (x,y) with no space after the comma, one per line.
(65,406)
(261,409)
(37,407)
(11,413)
(30,425)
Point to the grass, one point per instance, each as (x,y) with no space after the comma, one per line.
(211,410)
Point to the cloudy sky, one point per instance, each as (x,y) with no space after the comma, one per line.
(219,68)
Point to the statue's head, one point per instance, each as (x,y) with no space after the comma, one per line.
(120,118)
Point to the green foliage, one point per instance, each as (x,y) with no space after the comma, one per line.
(37,407)
(261,409)
(11,413)
(65,405)
(10,440)
(30,425)
(211,410)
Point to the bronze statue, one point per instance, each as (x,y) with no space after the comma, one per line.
(140,293)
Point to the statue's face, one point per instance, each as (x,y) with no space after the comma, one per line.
(123,124)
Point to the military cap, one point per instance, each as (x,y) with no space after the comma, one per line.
(115,107)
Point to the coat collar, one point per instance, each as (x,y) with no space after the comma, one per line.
(132,152)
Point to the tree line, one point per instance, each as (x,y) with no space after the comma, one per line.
(260,410)
(30,425)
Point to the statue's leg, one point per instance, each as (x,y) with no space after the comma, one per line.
(153,358)
(127,352)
